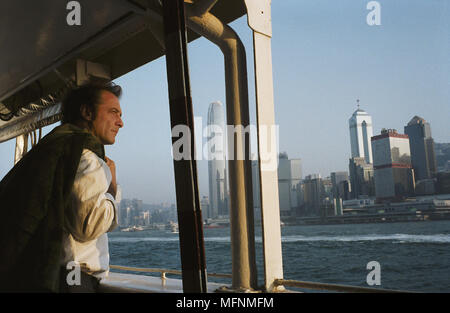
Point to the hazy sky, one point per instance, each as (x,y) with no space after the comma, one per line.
(325,56)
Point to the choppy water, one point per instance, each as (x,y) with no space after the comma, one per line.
(413,256)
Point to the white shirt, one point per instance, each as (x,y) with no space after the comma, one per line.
(91,214)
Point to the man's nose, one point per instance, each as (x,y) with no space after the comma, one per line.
(120,122)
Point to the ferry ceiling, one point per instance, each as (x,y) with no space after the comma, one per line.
(45,52)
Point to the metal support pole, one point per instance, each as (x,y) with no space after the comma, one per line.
(259,19)
(188,204)
(239,164)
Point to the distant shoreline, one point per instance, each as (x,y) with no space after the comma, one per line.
(355,219)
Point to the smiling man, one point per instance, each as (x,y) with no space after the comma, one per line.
(59,201)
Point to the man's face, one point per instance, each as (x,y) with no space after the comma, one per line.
(109,118)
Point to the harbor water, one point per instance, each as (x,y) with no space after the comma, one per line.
(413,256)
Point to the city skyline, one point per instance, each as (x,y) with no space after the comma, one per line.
(286,155)
(325,57)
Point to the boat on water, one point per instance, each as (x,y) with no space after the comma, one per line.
(173,226)
(132,229)
(119,37)
(213,225)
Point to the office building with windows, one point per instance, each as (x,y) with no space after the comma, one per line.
(393,173)
(423,158)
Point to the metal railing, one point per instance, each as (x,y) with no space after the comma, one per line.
(163,272)
(278,282)
(332,287)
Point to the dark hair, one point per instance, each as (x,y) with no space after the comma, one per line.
(86,95)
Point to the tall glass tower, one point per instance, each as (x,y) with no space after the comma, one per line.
(360,124)
(422,148)
(218,204)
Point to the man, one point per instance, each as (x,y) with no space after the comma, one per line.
(92,212)
(59,200)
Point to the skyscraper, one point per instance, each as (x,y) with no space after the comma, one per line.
(336,179)
(289,179)
(421,143)
(255,185)
(204,205)
(361,178)
(394,177)
(360,124)
(313,194)
(289,175)
(340,190)
(216,161)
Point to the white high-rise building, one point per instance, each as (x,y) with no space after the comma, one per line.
(361,131)
(218,204)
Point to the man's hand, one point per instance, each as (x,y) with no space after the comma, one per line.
(113,186)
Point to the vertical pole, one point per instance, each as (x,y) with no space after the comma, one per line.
(258,12)
(188,204)
(270,210)
(199,219)
(239,163)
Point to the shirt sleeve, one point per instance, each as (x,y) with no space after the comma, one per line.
(92,211)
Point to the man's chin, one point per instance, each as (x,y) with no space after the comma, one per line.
(109,142)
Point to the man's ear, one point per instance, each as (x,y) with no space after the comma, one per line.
(86,113)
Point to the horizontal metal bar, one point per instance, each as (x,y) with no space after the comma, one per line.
(146,270)
(277,282)
(159,270)
(333,287)
(30,122)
